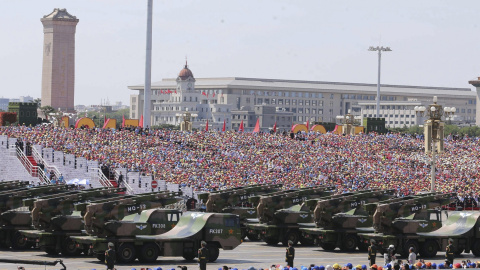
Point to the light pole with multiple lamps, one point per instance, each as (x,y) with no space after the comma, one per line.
(380,49)
(433,131)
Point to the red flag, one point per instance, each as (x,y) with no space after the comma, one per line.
(241,127)
(206,126)
(224,125)
(140,123)
(123,120)
(307,125)
(275,127)
(203,93)
(161,91)
(104,121)
(175,91)
(213,95)
(257,126)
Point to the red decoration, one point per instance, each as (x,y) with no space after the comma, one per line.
(7,118)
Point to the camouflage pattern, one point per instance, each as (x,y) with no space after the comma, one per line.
(13,199)
(98,213)
(14,184)
(388,218)
(47,208)
(270,203)
(239,197)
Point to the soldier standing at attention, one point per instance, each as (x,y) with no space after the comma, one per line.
(372,252)
(110,257)
(203,256)
(450,252)
(290,254)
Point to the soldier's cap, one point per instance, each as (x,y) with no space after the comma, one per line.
(203,243)
(110,244)
(391,247)
(290,242)
(372,241)
(450,240)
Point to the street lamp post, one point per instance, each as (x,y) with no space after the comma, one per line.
(433,130)
(380,49)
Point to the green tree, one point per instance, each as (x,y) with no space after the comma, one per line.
(46,110)
(38,101)
(470,131)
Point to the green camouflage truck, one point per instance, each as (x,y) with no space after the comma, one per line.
(397,223)
(7,185)
(123,232)
(97,214)
(463,227)
(218,230)
(331,229)
(236,201)
(280,213)
(54,219)
(13,214)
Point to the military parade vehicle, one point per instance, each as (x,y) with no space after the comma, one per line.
(280,213)
(54,234)
(330,229)
(239,201)
(397,223)
(218,230)
(14,216)
(54,219)
(122,233)
(463,227)
(7,185)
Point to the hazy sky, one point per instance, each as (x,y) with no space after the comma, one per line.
(434,43)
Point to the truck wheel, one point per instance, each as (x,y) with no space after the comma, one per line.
(350,243)
(213,252)
(126,253)
(149,253)
(410,243)
(327,246)
(429,249)
(69,248)
(291,236)
(189,256)
(19,242)
(476,248)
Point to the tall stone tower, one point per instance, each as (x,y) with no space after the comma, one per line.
(58,74)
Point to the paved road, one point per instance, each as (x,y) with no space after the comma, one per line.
(248,254)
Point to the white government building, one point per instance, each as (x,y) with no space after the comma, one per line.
(287,102)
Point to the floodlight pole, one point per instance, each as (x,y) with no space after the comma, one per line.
(379,49)
(148,69)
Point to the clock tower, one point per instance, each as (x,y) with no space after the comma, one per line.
(185,80)
(58,72)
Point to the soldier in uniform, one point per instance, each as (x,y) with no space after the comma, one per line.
(450,252)
(372,252)
(203,256)
(290,254)
(110,257)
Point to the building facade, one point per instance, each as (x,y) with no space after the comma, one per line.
(58,72)
(233,98)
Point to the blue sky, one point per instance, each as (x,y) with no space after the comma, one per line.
(434,43)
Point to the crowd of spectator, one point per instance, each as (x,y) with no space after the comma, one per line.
(215,160)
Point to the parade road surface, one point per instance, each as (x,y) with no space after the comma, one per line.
(256,254)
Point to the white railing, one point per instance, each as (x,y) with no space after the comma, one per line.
(34,171)
(49,168)
(124,184)
(102,179)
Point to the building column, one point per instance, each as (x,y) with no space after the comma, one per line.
(476,83)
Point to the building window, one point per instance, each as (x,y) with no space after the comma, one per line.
(287,101)
(280,102)
(247,100)
(294,102)
(260,101)
(300,102)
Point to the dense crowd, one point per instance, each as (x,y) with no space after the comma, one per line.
(214,160)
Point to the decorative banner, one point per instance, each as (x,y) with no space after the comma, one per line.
(70,161)
(85,122)
(111,123)
(58,157)
(131,122)
(299,127)
(319,128)
(82,164)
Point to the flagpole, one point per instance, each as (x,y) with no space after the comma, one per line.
(148,68)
